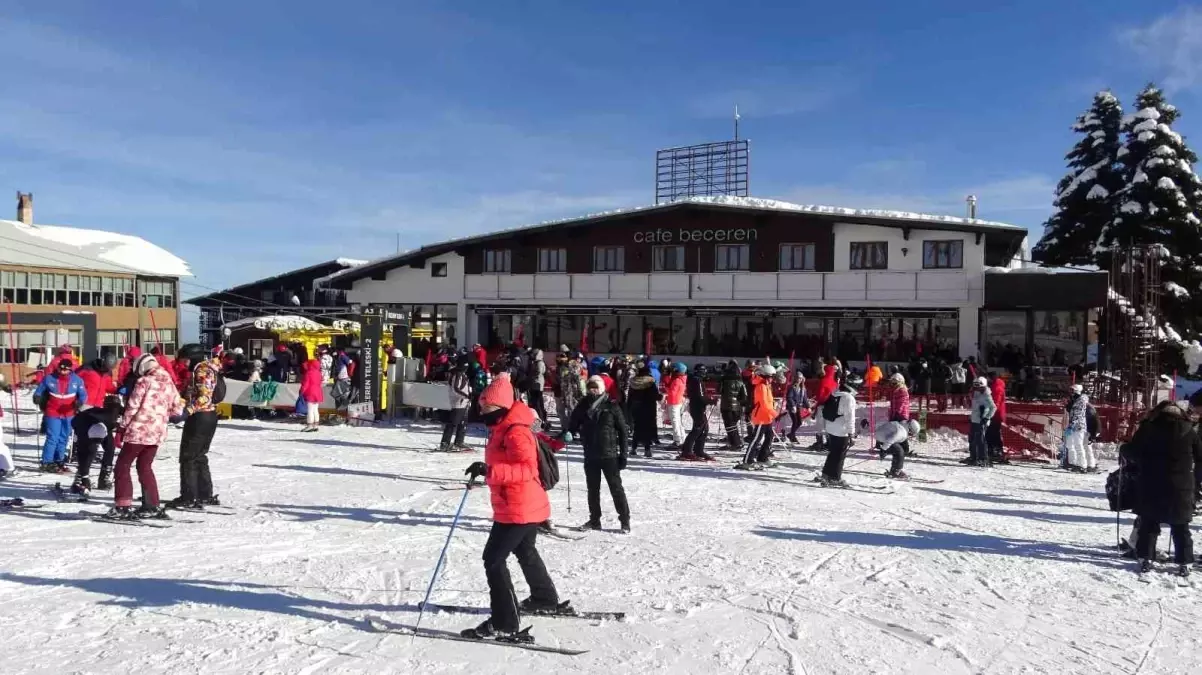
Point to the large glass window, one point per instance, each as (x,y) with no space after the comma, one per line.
(605,336)
(945,333)
(869,255)
(668,258)
(732,257)
(849,339)
(686,337)
(571,328)
(1059,338)
(722,338)
(796,257)
(941,255)
(1005,338)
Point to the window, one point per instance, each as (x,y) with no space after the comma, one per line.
(496,261)
(943,255)
(552,260)
(609,259)
(438,269)
(154,294)
(668,258)
(259,349)
(732,257)
(796,257)
(869,255)
(164,336)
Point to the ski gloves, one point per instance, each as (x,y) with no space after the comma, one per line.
(476,470)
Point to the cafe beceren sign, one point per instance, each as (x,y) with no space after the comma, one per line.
(686,236)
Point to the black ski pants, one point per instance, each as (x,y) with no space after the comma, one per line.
(760,448)
(538,403)
(694,443)
(194,479)
(835,454)
(593,471)
(899,457)
(86,448)
(993,437)
(456,425)
(795,423)
(506,538)
(1149,532)
(730,420)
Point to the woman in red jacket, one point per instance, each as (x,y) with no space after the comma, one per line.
(519,506)
(311,390)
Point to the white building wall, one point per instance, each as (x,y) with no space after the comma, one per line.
(911,260)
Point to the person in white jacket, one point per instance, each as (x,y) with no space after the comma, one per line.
(983,409)
(1078,450)
(7,468)
(839,417)
(891,439)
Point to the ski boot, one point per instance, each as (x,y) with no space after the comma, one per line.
(744,466)
(793,439)
(120,513)
(63,468)
(625,524)
(105,482)
(443,447)
(462,447)
(534,606)
(589,525)
(186,504)
(9,474)
(211,501)
(81,486)
(48,468)
(1183,571)
(686,457)
(486,631)
(1145,566)
(897,475)
(152,513)
(825,481)
(647,453)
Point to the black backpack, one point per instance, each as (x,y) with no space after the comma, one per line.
(219,389)
(1091,422)
(548,464)
(830,409)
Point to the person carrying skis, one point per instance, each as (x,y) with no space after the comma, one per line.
(1167,454)
(981,412)
(839,420)
(732,404)
(694,443)
(674,392)
(519,505)
(60,396)
(892,438)
(601,427)
(763,414)
(195,482)
(459,389)
(644,406)
(797,403)
(143,428)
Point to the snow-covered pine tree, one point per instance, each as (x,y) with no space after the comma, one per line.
(1085,197)
(1158,205)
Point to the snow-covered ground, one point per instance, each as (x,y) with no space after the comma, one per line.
(1010,570)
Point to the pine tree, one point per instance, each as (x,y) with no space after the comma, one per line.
(1158,204)
(1085,197)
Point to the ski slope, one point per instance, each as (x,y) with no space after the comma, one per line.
(1004,571)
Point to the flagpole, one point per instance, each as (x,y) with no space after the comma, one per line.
(736,122)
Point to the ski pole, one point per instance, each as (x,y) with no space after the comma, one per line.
(567,474)
(443,555)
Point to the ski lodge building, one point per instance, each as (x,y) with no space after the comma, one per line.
(719,277)
(100,292)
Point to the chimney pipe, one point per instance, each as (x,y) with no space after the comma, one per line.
(972,206)
(25,207)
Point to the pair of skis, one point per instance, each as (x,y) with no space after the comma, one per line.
(523,640)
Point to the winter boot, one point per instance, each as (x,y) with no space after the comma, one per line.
(120,513)
(211,501)
(793,439)
(1183,571)
(443,447)
(182,503)
(590,525)
(897,475)
(48,468)
(82,485)
(1145,566)
(647,453)
(625,526)
(486,631)
(105,482)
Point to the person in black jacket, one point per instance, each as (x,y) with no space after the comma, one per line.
(732,394)
(694,443)
(643,406)
(601,428)
(1168,458)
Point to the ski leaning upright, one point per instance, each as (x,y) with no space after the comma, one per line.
(385,626)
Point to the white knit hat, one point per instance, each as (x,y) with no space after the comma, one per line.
(595,380)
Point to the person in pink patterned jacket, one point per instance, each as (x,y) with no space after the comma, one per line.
(153,400)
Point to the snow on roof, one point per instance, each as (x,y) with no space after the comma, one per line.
(277,323)
(77,248)
(1039,269)
(350,262)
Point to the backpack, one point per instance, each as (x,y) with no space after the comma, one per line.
(548,464)
(1120,489)
(1091,422)
(830,409)
(219,389)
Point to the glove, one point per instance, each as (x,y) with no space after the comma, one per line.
(621,461)
(476,470)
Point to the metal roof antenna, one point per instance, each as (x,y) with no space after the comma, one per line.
(972,206)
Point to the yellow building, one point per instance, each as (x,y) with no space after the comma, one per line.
(101,292)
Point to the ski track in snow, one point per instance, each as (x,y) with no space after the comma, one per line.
(991,572)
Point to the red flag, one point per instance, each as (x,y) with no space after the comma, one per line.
(647,343)
(520,340)
(584,338)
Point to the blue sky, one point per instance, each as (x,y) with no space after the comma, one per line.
(256,136)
